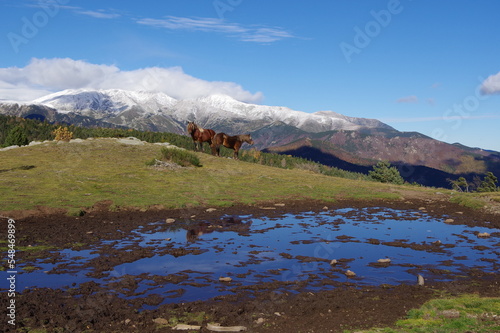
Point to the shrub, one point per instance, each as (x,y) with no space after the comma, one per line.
(384,173)
(62,134)
(180,156)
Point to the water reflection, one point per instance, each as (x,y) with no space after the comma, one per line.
(184,261)
(227,223)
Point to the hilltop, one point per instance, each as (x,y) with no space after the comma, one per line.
(74,176)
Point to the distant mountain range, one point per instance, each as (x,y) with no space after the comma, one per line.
(325,136)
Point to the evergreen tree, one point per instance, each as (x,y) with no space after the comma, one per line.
(384,173)
(17,136)
(460,184)
(489,183)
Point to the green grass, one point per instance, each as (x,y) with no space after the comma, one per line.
(74,176)
(180,156)
(468,313)
(468,200)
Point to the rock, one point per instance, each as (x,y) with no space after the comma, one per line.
(170,221)
(260,321)
(333,262)
(449,221)
(384,261)
(279,204)
(421,208)
(131,141)
(160,321)
(127,321)
(209,210)
(420,280)
(217,328)
(483,235)
(453,313)
(76,141)
(225,279)
(184,327)
(325,208)
(168,239)
(9,148)
(350,273)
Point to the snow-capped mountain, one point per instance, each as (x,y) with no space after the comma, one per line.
(111,101)
(160,112)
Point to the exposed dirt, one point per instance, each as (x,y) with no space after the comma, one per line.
(261,308)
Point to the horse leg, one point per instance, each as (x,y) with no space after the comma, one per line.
(237,146)
(214,149)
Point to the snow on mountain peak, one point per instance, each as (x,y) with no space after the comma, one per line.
(210,109)
(111,100)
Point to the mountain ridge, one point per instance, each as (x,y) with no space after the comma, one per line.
(324,136)
(104,104)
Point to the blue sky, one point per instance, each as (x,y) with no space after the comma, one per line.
(426,66)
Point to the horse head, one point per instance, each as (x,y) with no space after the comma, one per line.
(191,127)
(247,138)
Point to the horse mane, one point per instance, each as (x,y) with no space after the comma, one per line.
(191,127)
(244,137)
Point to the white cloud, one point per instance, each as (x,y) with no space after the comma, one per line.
(43,76)
(408,99)
(491,85)
(101,14)
(257,34)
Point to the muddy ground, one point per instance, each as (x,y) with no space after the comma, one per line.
(89,307)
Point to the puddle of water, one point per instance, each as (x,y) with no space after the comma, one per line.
(186,261)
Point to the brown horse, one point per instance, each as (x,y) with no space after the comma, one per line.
(200,135)
(232,142)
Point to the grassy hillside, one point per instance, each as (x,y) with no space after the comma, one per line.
(77,175)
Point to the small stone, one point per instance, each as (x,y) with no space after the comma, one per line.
(325,208)
(168,239)
(170,220)
(421,208)
(483,235)
(420,280)
(160,321)
(449,221)
(384,261)
(127,321)
(260,321)
(333,262)
(225,279)
(209,210)
(279,204)
(350,273)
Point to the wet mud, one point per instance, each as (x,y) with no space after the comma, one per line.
(270,268)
